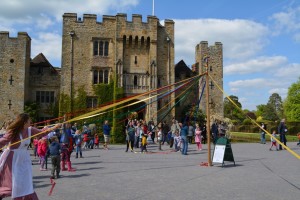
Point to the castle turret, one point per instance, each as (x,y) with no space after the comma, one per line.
(14,74)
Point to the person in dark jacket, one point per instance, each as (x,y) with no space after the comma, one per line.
(54,154)
(183,134)
(282,130)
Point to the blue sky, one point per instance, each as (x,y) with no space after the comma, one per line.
(261,39)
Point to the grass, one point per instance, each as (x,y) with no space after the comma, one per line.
(255,137)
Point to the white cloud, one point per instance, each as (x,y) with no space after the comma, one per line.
(288,22)
(259,64)
(289,71)
(49,44)
(20,11)
(240,38)
(44,22)
(281,91)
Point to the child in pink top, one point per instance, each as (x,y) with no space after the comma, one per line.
(42,150)
(198,137)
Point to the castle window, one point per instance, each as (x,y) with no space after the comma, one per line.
(158,82)
(96,48)
(136,42)
(106,48)
(106,76)
(135,60)
(91,102)
(95,75)
(142,41)
(135,81)
(148,41)
(100,48)
(124,40)
(44,96)
(130,40)
(100,76)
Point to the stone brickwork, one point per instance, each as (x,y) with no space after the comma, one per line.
(140,54)
(215,65)
(14,74)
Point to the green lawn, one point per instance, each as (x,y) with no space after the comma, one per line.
(255,137)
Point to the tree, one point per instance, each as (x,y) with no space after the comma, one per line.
(270,113)
(231,111)
(292,103)
(276,102)
(32,108)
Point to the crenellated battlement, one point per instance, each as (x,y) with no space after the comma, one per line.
(120,18)
(21,35)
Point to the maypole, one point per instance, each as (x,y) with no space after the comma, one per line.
(207,114)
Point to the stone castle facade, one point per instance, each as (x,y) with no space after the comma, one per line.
(139,55)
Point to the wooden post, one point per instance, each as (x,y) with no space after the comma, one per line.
(208,115)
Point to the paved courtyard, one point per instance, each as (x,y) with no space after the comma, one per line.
(116,175)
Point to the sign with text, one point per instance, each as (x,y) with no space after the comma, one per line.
(219,153)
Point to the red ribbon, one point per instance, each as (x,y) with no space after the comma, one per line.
(52,187)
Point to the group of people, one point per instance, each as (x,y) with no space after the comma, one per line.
(56,143)
(139,133)
(282,130)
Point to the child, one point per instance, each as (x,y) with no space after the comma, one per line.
(78,142)
(96,141)
(35,146)
(198,137)
(159,138)
(42,150)
(273,141)
(54,153)
(85,140)
(177,140)
(298,138)
(144,142)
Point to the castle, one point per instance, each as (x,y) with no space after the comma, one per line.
(137,56)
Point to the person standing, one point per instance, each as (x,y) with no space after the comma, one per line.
(175,126)
(165,130)
(214,130)
(190,133)
(106,134)
(54,153)
(16,168)
(282,130)
(263,133)
(159,138)
(130,136)
(198,137)
(183,134)
(78,143)
(273,141)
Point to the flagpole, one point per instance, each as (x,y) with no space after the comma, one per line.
(152,7)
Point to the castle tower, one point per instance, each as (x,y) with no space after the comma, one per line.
(14,74)
(139,55)
(215,67)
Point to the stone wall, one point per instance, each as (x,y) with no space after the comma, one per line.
(14,74)
(215,66)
